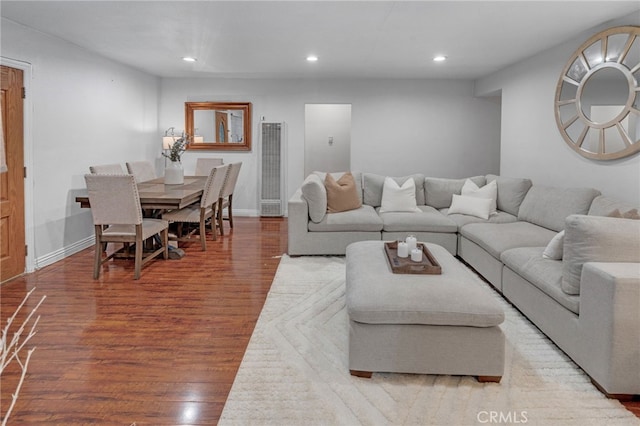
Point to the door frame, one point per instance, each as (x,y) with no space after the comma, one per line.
(27,105)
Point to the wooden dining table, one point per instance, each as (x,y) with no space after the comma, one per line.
(154,194)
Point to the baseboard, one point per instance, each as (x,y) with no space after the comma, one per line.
(60,254)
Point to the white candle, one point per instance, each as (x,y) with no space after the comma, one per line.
(403,249)
(411,242)
(416,255)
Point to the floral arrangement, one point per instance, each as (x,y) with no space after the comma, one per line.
(179,146)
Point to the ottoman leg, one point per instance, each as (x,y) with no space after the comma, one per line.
(363,374)
(489,379)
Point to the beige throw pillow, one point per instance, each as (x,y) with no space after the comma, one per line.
(631,214)
(341,194)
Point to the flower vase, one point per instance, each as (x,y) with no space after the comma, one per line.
(174,173)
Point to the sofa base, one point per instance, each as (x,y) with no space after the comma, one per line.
(486,265)
(326,243)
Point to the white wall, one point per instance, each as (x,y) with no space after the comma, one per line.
(531,142)
(86,110)
(399,127)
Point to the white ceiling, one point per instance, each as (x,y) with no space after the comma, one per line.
(270,39)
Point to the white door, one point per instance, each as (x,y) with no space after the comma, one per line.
(327,138)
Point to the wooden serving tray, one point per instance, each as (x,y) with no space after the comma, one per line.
(404,265)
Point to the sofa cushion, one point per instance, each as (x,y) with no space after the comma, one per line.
(471,206)
(373,185)
(342,194)
(357,178)
(363,219)
(314,192)
(545,274)
(498,237)
(597,239)
(511,192)
(427,220)
(603,206)
(439,191)
(463,219)
(549,206)
(398,198)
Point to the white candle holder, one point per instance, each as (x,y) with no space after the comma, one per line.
(416,255)
(403,249)
(411,242)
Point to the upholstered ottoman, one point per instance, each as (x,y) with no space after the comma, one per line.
(428,324)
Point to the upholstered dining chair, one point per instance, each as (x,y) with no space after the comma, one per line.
(117,217)
(204,165)
(142,170)
(226,196)
(107,169)
(199,213)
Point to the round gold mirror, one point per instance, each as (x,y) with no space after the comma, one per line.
(597,98)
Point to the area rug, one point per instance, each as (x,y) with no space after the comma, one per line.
(295,371)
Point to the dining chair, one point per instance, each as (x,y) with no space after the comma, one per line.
(117,217)
(226,196)
(142,170)
(204,165)
(200,213)
(107,169)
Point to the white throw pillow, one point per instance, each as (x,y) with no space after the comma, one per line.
(397,198)
(472,206)
(489,191)
(555,247)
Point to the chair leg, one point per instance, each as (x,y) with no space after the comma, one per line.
(230,211)
(165,243)
(138,258)
(213,222)
(220,219)
(203,234)
(98,256)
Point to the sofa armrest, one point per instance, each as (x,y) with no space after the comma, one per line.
(298,220)
(610,317)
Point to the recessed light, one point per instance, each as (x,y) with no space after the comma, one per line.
(312,58)
(439,58)
(189,59)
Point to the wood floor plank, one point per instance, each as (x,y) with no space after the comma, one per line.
(162,350)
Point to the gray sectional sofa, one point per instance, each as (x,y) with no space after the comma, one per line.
(588,302)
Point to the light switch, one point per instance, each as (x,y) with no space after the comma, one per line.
(330,140)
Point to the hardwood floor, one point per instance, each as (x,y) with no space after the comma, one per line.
(163,350)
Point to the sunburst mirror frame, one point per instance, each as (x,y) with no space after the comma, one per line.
(613,49)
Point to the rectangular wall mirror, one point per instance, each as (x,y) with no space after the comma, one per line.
(218,126)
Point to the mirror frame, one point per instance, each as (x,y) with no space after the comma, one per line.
(190,107)
(631,146)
